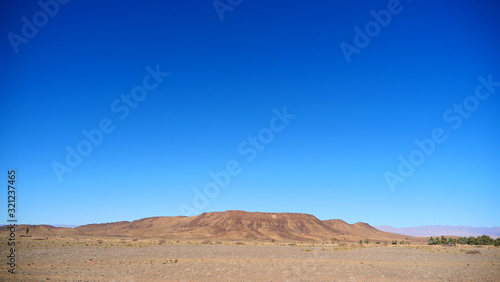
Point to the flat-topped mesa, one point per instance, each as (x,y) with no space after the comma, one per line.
(259,225)
(247,213)
(263,215)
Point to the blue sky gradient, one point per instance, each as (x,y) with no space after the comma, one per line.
(226,80)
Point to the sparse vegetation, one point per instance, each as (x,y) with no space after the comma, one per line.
(479,240)
(441,241)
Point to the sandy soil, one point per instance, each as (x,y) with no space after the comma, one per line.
(93,259)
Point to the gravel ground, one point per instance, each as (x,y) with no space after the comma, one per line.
(126,260)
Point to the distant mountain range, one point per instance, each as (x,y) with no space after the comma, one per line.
(442,230)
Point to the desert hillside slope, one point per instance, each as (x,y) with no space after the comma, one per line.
(231,225)
(361,230)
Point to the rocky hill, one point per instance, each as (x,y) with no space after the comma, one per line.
(230,225)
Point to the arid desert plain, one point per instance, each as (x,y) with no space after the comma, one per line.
(111,259)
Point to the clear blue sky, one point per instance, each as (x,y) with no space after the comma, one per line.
(352,120)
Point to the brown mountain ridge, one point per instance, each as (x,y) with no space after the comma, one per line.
(231,225)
